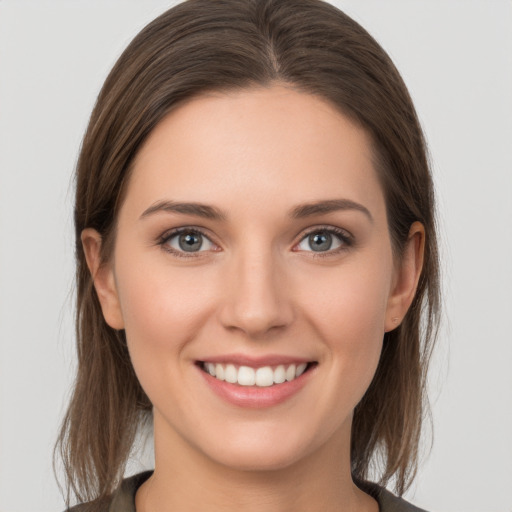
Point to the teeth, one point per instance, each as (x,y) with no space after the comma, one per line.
(279,374)
(264,376)
(261,377)
(219,372)
(231,375)
(290,372)
(300,369)
(246,376)
(211,368)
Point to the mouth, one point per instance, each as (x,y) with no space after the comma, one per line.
(262,376)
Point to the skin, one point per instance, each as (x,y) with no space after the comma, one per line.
(256,288)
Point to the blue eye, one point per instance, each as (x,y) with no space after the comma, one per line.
(324,240)
(187,241)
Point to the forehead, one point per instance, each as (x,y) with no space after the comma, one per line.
(262,146)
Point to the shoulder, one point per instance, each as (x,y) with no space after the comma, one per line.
(123,499)
(391,503)
(387,501)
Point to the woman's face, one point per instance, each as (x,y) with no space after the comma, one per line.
(253,234)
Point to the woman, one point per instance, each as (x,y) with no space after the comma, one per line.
(257,267)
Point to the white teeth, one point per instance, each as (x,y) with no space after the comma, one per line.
(219,371)
(264,376)
(246,376)
(300,369)
(290,372)
(231,374)
(261,377)
(279,374)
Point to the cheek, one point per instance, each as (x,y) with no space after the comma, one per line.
(348,311)
(350,301)
(164,308)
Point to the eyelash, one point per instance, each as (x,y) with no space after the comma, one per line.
(345,237)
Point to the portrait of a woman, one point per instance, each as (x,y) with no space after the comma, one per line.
(257,269)
(256,245)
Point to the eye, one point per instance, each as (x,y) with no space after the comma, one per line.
(187,240)
(325,240)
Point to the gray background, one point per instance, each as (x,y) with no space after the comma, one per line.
(455,56)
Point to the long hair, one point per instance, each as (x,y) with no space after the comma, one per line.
(204,45)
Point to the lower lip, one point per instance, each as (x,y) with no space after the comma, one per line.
(253,396)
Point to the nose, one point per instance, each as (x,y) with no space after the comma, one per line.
(256,297)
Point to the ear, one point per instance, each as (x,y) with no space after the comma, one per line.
(407,275)
(103,278)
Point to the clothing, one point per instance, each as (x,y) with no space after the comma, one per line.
(123,500)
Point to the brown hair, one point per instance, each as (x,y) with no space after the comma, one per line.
(204,45)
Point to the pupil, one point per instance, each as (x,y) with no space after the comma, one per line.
(190,242)
(320,241)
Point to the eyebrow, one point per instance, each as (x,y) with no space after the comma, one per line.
(198,209)
(332,205)
(300,211)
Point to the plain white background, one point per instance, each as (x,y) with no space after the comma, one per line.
(455,56)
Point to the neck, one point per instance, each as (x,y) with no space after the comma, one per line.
(186,479)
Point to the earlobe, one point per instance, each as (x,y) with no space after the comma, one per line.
(103,278)
(407,277)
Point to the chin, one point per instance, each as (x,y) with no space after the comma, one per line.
(261,452)
(256,460)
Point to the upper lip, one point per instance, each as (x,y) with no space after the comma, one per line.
(255,361)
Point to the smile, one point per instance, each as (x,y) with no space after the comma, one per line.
(264,376)
(251,383)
